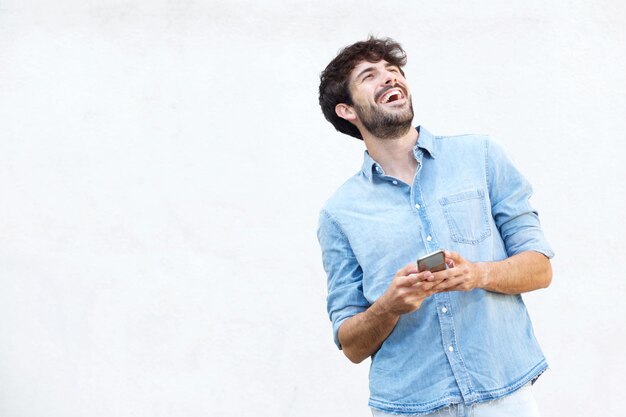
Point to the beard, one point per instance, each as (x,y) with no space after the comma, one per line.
(382,124)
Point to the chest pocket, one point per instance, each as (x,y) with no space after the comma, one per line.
(467,216)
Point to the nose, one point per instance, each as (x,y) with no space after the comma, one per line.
(391,77)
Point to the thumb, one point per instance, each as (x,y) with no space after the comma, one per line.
(454,256)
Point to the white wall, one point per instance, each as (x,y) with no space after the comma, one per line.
(162,164)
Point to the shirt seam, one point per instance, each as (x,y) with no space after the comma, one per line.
(487,176)
(335,223)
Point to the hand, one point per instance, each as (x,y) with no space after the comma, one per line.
(461,275)
(408,289)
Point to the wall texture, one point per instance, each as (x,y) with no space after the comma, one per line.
(162,164)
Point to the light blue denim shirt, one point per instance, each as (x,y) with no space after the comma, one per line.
(458,346)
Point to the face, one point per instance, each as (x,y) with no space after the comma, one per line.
(381,99)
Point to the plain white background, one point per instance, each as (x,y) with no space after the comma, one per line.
(162,164)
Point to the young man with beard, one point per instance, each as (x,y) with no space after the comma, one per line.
(456,341)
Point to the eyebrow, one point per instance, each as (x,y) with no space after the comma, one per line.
(366,70)
(372,68)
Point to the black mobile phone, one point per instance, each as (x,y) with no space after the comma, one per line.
(433,262)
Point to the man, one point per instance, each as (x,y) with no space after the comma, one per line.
(455,341)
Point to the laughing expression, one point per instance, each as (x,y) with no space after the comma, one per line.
(394,94)
(381,99)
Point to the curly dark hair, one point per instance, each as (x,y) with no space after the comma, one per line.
(334,80)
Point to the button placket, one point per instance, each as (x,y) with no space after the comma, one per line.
(449,343)
(429,242)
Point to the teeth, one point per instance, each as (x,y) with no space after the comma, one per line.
(390,94)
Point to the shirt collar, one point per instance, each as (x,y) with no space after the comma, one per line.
(424,141)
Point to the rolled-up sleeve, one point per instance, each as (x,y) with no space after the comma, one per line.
(345,277)
(510,193)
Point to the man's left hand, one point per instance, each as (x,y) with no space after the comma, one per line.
(461,275)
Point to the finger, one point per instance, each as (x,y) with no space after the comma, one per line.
(453,256)
(447,285)
(443,275)
(428,287)
(455,271)
(459,283)
(414,279)
(425,276)
(411,280)
(407,270)
(420,290)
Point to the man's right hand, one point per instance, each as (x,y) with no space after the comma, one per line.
(363,334)
(408,289)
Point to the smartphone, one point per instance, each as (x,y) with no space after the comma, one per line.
(433,262)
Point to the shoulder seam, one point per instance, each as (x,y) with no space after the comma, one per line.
(477,135)
(487,177)
(330,218)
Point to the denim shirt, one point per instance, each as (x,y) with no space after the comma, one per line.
(458,346)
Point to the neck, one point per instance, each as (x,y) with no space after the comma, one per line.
(394,155)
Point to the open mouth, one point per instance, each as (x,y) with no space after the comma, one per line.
(392,95)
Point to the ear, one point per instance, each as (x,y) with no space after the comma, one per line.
(345,112)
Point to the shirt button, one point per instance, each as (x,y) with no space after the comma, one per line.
(417,206)
(428,238)
(444,310)
(450,348)
(394,182)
